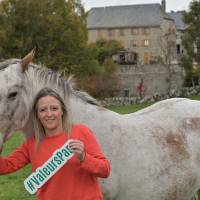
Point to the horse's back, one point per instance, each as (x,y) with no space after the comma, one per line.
(161,152)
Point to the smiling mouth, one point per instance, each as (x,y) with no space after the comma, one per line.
(47,120)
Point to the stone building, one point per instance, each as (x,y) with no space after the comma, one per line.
(148,35)
(139,28)
(180,28)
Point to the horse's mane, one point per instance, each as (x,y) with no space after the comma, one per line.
(45,74)
(8,62)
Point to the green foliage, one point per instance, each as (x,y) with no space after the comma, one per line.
(104,49)
(58,31)
(191,42)
(100,86)
(191,39)
(101,80)
(56,28)
(109,66)
(186,63)
(88,65)
(196,70)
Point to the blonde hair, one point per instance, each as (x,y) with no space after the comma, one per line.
(38,127)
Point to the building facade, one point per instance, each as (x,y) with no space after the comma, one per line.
(141,29)
(148,35)
(180,28)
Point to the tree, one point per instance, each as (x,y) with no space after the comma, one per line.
(100,86)
(57,28)
(104,49)
(191,39)
(104,82)
(168,48)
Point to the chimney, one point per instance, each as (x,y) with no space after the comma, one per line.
(163,6)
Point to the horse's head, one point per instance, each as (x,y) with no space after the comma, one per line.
(14,110)
(19,82)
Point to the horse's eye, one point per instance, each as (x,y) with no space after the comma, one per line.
(12,95)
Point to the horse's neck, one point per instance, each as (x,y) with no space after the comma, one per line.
(97,118)
(83,112)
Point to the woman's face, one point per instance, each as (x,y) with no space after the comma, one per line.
(50,113)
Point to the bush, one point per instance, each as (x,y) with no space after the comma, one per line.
(100,86)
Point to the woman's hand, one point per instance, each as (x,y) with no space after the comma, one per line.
(77,147)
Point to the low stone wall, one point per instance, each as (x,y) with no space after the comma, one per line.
(120,101)
(153,79)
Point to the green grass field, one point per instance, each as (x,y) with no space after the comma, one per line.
(129,108)
(136,107)
(11,186)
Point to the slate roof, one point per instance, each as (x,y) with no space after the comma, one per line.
(178,18)
(146,15)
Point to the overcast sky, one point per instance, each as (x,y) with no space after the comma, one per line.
(170,4)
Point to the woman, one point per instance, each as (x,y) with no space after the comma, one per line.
(78,178)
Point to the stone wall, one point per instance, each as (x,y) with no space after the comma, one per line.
(121,101)
(148,80)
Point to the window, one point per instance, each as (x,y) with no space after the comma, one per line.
(142,31)
(143,43)
(146,43)
(133,43)
(128,57)
(99,33)
(134,31)
(110,32)
(121,32)
(122,58)
(146,31)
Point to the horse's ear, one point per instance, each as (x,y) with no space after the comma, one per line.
(26,60)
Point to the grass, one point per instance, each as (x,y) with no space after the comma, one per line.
(195,98)
(135,107)
(129,108)
(11,186)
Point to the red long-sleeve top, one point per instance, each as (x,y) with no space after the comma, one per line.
(75,180)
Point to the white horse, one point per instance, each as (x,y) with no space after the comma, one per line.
(154,153)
